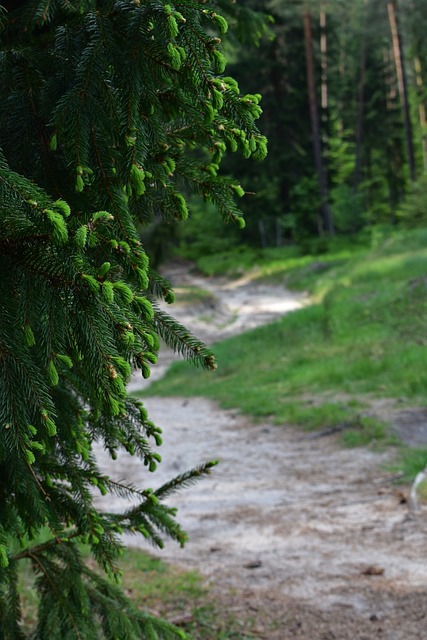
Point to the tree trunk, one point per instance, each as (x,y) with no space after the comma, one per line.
(395,159)
(326,213)
(421,109)
(324,102)
(360,104)
(402,83)
(360,114)
(262,234)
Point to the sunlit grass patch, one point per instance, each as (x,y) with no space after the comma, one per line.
(276,263)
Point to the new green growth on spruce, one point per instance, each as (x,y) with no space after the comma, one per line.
(111,112)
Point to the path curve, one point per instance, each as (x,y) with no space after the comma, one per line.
(299,529)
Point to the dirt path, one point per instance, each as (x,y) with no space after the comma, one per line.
(310,539)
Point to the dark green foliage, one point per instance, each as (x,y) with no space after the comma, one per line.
(413,211)
(359,112)
(111,113)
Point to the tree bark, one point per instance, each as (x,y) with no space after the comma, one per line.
(326,213)
(324,98)
(402,83)
(421,109)
(360,104)
(324,102)
(360,114)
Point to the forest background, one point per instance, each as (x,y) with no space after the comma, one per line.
(344,108)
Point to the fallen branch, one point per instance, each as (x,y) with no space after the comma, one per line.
(329,431)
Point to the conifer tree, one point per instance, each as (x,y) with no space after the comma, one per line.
(112,112)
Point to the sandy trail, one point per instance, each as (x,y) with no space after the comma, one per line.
(295,529)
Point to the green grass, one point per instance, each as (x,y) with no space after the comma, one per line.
(364,337)
(273,262)
(368,432)
(148,580)
(163,590)
(411,461)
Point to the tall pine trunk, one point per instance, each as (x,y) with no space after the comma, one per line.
(326,213)
(324,99)
(360,107)
(402,83)
(421,109)
(360,114)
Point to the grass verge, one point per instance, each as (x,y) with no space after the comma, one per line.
(180,597)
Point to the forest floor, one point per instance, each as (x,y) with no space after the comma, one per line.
(305,538)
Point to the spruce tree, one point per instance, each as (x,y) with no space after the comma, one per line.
(112,112)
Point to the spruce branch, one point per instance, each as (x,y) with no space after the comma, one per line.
(112,111)
(186,479)
(160,287)
(33,551)
(177,337)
